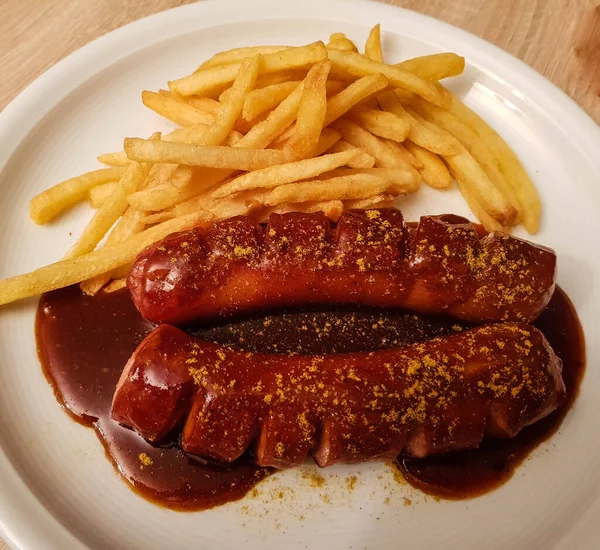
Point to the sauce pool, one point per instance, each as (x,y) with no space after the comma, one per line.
(84,342)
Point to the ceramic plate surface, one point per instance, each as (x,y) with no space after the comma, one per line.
(57,489)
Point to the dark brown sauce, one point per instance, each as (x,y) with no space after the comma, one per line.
(84,342)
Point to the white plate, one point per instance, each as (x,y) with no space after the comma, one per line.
(57,490)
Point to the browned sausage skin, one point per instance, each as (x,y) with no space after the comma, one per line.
(428,398)
(370,259)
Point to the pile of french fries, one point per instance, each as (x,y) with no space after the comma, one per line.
(275,129)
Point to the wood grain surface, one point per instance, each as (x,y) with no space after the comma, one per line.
(558,38)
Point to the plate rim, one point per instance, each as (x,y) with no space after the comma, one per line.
(24,522)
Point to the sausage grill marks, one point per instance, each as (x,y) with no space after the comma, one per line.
(370,258)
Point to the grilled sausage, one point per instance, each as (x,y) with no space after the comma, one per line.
(370,258)
(429,398)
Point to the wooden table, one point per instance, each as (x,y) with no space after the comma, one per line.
(559,38)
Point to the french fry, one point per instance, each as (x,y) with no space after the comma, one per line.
(358,65)
(237,55)
(115,285)
(511,167)
(356,92)
(207,104)
(357,136)
(51,202)
(131,223)
(260,136)
(100,193)
(274,176)
(336,36)
(158,217)
(405,159)
(342,102)
(472,178)
(160,174)
(402,180)
(421,134)
(378,201)
(110,211)
(233,138)
(311,112)
(356,186)
(489,223)
(265,99)
(433,170)
(234,158)
(382,123)
(332,209)
(175,110)
(373,44)
(471,141)
(362,160)
(328,138)
(434,67)
(74,270)
(230,111)
(207,81)
(342,43)
(114,159)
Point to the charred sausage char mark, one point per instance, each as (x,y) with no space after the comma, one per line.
(428,398)
(370,258)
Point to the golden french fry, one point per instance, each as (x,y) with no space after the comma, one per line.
(237,55)
(279,77)
(131,222)
(355,186)
(402,180)
(434,67)
(51,202)
(358,65)
(433,170)
(260,136)
(114,159)
(234,158)
(207,104)
(328,138)
(99,194)
(471,141)
(233,138)
(382,123)
(342,43)
(362,160)
(230,110)
(158,217)
(357,136)
(378,201)
(274,176)
(74,270)
(110,211)
(405,159)
(215,78)
(311,112)
(421,134)
(373,44)
(511,167)
(332,209)
(115,285)
(265,99)
(175,110)
(356,92)
(244,126)
(343,101)
(489,223)
(472,178)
